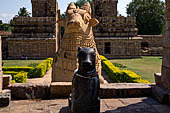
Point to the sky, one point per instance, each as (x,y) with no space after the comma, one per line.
(10,8)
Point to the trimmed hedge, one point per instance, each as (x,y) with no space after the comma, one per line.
(41,69)
(20,77)
(20,74)
(120,76)
(17,68)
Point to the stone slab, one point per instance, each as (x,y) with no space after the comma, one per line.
(160,94)
(119,105)
(114,90)
(60,89)
(6,81)
(158,79)
(30,91)
(5,98)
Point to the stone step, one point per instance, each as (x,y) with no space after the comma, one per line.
(113,90)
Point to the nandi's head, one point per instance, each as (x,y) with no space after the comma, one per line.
(78,20)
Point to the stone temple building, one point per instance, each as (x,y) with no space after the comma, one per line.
(36,36)
(116,36)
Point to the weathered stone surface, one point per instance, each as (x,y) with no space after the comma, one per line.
(43,8)
(158,79)
(119,105)
(110,24)
(78,33)
(30,91)
(165,77)
(32,49)
(5,98)
(60,89)
(125,90)
(37,36)
(160,94)
(114,90)
(120,47)
(6,81)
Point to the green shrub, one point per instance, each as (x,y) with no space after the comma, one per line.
(41,69)
(20,77)
(119,65)
(10,72)
(33,64)
(120,76)
(17,68)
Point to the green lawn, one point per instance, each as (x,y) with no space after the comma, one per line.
(10,63)
(145,66)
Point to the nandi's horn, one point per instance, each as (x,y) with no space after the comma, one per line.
(87,7)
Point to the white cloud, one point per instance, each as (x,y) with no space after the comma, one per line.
(6,17)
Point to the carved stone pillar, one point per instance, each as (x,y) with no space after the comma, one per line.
(0,68)
(165,79)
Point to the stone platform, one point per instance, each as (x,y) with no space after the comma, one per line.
(5,98)
(119,105)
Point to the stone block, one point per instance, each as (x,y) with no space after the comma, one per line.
(158,79)
(160,94)
(166,57)
(6,81)
(1,81)
(165,77)
(5,98)
(30,91)
(60,89)
(124,90)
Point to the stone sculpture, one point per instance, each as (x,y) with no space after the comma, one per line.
(78,33)
(85,91)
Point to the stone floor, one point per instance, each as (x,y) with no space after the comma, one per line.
(120,105)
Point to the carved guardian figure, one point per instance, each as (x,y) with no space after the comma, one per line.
(85,84)
(78,33)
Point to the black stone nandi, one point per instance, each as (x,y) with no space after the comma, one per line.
(85,84)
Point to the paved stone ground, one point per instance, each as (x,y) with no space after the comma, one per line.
(126,105)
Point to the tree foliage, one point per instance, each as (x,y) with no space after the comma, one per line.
(5,26)
(81,2)
(23,12)
(150,16)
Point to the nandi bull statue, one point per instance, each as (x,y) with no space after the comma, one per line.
(78,33)
(85,84)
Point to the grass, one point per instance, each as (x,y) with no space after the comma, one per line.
(145,66)
(11,63)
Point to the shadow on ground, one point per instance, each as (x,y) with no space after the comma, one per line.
(64,110)
(147,105)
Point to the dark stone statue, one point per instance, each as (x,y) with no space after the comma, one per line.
(85,84)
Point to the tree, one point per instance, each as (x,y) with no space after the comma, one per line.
(23,12)
(150,16)
(81,2)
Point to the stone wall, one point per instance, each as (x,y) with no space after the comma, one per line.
(110,24)
(120,47)
(153,40)
(34,27)
(152,45)
(44,8)
(37,36)
(32,49)
(0,67)
(166,51)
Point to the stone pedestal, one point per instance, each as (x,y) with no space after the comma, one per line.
(5,95)
(5,98)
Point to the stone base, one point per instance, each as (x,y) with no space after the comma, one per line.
(113,90)
(161,94)
(6,81)
(5,98)
(158,79)
(60,89)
